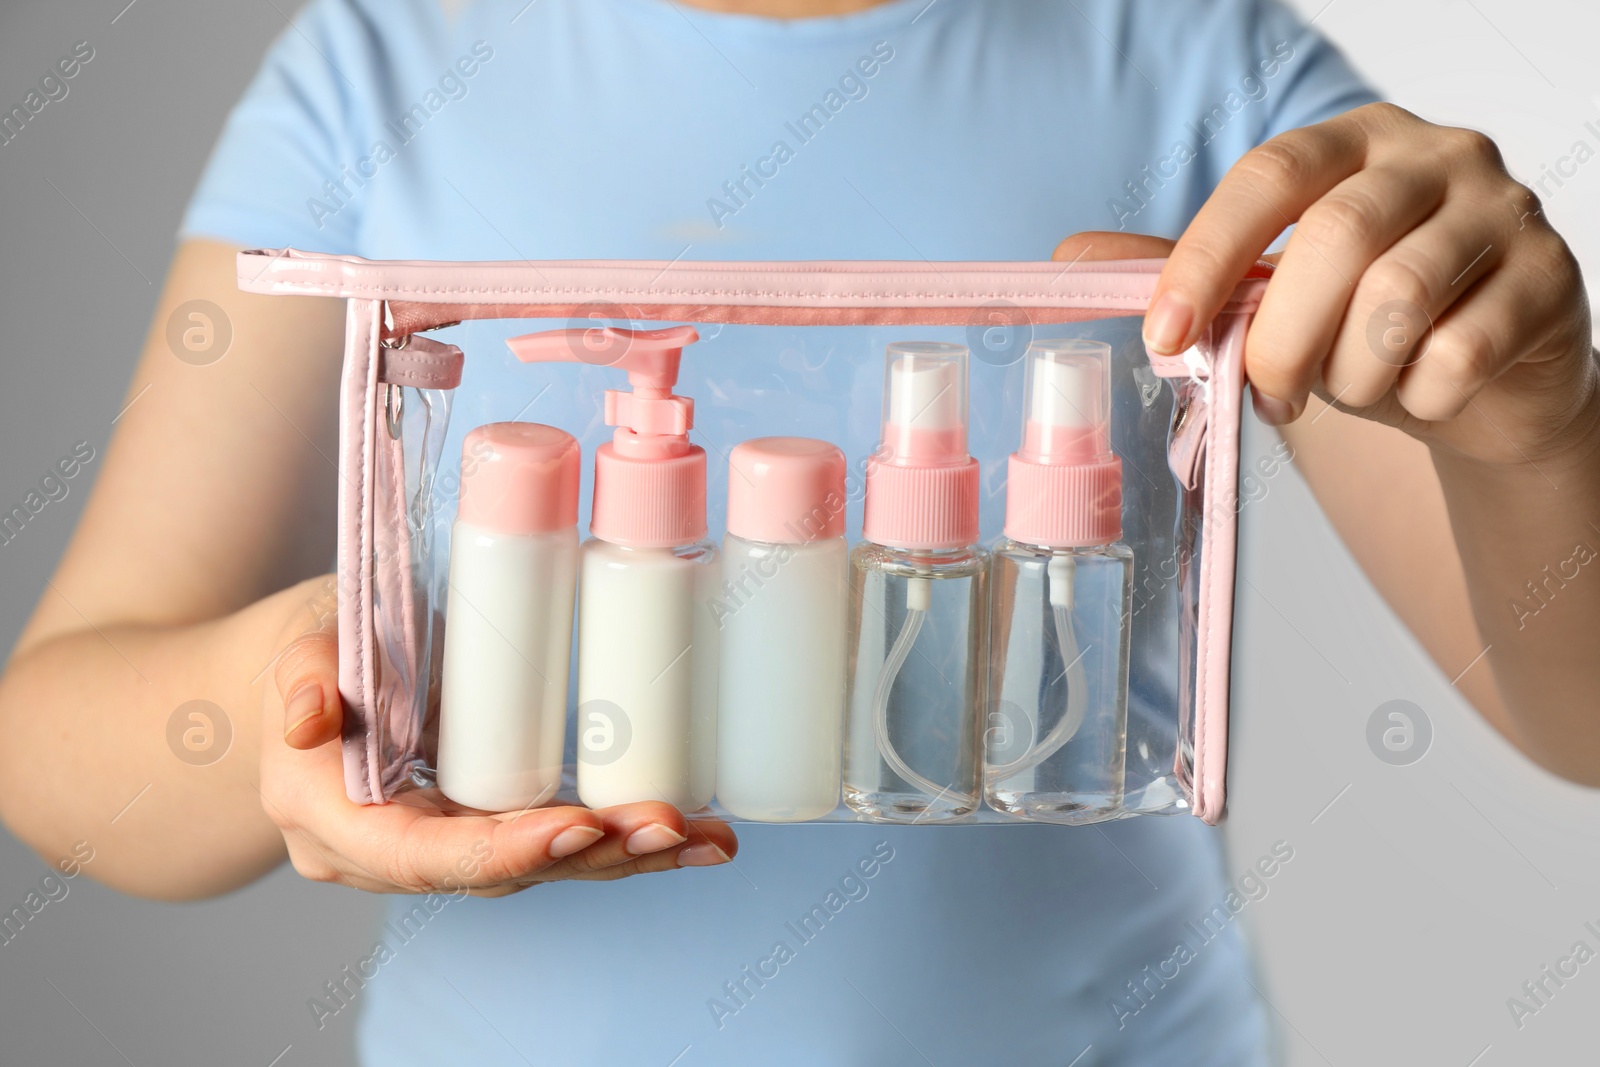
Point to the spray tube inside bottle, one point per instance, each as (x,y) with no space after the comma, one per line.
(917,622)
(1061,590)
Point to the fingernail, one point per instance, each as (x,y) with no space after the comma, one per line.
(653,838)
(574,839)
(702,854)
(303,705)
(1167,325)
(1269,409)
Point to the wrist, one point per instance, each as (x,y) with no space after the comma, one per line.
(1563,442)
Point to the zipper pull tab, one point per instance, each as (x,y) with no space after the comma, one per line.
(420,362)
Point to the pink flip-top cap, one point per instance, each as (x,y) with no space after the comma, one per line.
(519,478)
(786,490)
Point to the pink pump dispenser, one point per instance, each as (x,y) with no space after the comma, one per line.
(647,642)
(649,481)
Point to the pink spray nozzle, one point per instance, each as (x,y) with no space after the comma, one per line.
(1064,485)
(922,486)
(925,404)
(1068,390)
(649,481)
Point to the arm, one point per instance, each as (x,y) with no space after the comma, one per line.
(1460,461)
(213,494)
(216,497)
(1452,545)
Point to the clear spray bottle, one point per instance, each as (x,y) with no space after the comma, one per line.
(917,638)
(1061,595)
(647,644)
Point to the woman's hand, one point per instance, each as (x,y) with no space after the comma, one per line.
(1422,286)
(410,847)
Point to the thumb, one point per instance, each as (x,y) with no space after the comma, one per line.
(1094,245)
(307,677)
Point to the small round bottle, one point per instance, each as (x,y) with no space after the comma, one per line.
(917,616)
(781,614)
(1061,601)
(508,634)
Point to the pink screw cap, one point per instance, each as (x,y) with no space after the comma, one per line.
(786,490)
(1064,485)
(519,478)
(922,486)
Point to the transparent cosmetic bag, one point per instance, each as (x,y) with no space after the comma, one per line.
(794,349)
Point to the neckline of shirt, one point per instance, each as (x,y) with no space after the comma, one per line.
(733,28)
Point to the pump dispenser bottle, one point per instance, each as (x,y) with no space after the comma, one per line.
(1061,596)
(780,613)
(513,565)
(917,625)
(647,645)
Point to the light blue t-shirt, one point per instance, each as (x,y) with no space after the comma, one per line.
(918,129)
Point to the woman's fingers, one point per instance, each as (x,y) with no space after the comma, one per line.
(1403,293)
(1466,351)
(1508,313)
(1092,245)
(631,830)
(395,846)
(1323,273)
(308,681)
(307,678)
(398,847)
(1260,197)
(648,837)
(426,850)
(711,842)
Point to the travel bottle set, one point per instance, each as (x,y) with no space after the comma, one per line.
(915,678)
(716,639)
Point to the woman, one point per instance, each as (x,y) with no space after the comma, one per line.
(963,130)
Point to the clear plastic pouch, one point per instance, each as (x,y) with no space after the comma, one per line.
(785,348)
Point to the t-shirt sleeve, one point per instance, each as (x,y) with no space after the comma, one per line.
(1317,82)
(274,177)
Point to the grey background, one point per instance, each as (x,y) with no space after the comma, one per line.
(1419,898)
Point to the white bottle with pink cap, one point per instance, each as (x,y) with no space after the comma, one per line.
(780,613)
(917,615)
(508,637)
(1061,597)
(647,645)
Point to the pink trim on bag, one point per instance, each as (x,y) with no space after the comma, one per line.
(1218,560)
(820,293)
(358,391)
